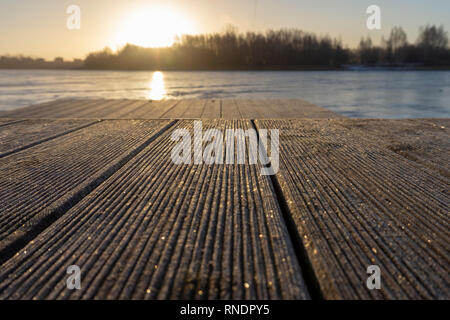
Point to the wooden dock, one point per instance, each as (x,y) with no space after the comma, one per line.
(91,183)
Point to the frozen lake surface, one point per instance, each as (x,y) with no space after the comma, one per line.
(363,94)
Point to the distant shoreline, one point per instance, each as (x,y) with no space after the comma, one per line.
(273,50)
(356,68)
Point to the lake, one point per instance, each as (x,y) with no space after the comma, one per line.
(357,94)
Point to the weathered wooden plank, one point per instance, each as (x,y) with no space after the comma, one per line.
(39,109)
(230,109)
(22,134)
(151,109)
(273,109)
(92,108)
(195,110)
(298,108)
(100,110)
(251,109)
(125,111)
(177,111)
(426,141)
(38,184)
(212,109)
(174,109)
(112,109)
(86,109)
(355,204)
(7,122)
(67,109)
(157,230)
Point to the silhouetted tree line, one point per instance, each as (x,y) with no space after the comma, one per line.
(21,62)
(277,49)
(229,50)
(431,49)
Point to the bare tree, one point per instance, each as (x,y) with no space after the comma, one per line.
(433,43)
(394,46)
(433,37)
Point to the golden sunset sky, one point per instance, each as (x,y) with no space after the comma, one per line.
(38,28)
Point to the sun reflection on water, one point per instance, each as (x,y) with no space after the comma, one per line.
(157,87)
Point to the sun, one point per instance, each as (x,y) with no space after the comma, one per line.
(153,27)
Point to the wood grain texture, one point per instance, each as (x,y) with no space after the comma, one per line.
(355,204)
(174,109)
(20,135)
(91,182)
(157,230)
(44,180)
(426,141)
